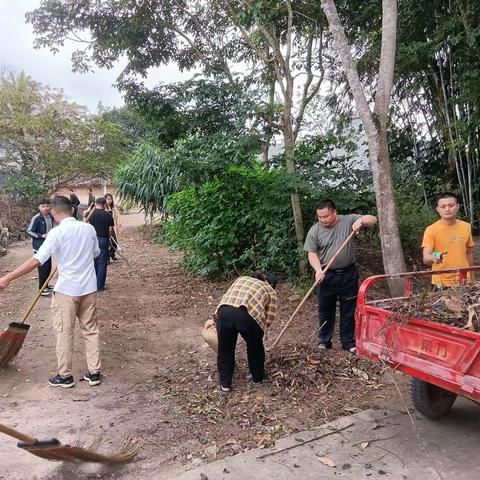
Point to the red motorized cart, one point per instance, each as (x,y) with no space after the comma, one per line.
(443,361)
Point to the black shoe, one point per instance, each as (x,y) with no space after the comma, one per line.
(59,381)
(93,379)
(262,381)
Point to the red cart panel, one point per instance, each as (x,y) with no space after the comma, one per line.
(443,355)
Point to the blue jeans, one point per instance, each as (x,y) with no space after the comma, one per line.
(101,263)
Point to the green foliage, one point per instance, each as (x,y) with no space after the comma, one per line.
(238,222)
(413,218)
(198,106)
(43,135)
(24,188)
(148,179)
(152,175)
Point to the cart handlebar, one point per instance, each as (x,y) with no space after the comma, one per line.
(408,276)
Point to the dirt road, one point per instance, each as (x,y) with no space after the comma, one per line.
(159,377)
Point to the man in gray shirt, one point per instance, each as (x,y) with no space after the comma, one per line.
(341,281)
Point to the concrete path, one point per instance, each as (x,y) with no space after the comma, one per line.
(373,444)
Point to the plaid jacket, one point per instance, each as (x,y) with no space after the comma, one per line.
(257,296)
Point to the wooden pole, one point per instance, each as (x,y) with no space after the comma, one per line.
(312,288)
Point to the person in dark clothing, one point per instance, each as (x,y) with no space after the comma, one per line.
(247,308)
(341,281)
(91,199)
(38,229)
(103,223)
(113,211)
(75,203)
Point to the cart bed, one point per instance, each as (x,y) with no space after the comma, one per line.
(442,355)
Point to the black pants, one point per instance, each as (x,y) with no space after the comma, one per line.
(43,272)
(339,284)
(232,321)
(113,246)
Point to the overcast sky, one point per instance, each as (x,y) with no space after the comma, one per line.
(17,53)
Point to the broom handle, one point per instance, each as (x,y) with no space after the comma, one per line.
(18,435)
(37,296)
(89,216)
(312,288)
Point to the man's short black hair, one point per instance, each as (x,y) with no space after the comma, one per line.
(43,201)
(447,195)
(100,201)
(62,204)
(327,203)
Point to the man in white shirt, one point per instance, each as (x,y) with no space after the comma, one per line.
(74,246)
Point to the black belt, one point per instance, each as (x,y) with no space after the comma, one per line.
(342,270)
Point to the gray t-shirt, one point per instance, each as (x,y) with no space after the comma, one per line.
(326,241)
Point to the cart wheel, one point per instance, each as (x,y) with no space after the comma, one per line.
(430,400)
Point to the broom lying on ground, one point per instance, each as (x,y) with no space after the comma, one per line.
(52,449)
(12,338)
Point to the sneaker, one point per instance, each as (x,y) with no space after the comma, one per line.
(93,379)
(353,351)
(323,347)
(46,293)
(59,381)
(224,390)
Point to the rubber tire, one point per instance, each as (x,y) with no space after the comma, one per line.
(430,400)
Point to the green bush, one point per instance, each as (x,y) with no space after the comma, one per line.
(241,221)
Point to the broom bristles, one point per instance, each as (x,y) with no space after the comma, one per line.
(11,341)
(77,454)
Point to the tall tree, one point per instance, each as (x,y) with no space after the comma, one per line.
(216,36)
(43,135)
(375,123)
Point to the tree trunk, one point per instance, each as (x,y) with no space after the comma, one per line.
(392,251)
(376,129)
(294,197)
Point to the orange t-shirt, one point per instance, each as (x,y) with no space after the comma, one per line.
(453,239)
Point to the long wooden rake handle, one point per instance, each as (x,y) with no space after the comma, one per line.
(89,216)
(18,435)
(38,294)
(312,288)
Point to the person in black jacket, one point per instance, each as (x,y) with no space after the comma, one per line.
(38,229)
(103,223)
(75,202)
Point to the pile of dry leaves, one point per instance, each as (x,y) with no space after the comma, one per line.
(458,307)
(306,387)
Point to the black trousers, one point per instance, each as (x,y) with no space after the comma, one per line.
(113,246)
(43,272)
(341,285)
(232,321)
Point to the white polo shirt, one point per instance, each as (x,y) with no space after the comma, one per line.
(74,246)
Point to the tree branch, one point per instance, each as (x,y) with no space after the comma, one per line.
(307,95)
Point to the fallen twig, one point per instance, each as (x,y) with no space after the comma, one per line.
(299,444)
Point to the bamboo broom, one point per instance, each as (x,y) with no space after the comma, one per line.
(12,338)
(53,449)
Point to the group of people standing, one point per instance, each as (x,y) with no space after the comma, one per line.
(81,250)
(249,305)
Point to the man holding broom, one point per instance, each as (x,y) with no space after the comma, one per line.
(74,246)
(341,280)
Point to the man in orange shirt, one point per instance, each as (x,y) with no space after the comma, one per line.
(448,243)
